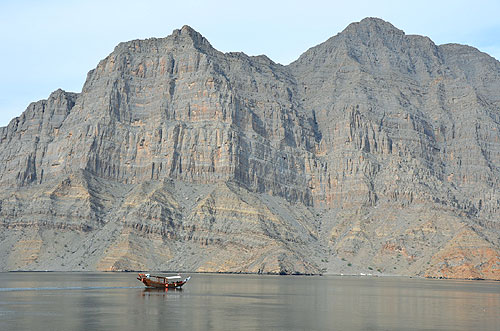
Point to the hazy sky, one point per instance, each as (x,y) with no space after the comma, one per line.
(51,44)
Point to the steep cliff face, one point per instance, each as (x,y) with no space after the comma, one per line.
(415,125)
(373,151)
(177,108)
(24,142)
(401,100)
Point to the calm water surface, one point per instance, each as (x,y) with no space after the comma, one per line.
(117,301)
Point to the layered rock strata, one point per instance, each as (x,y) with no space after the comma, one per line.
(375,152)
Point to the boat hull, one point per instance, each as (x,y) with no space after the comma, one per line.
(161,282)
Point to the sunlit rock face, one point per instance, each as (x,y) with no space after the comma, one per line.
(375,152)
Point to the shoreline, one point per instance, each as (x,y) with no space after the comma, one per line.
(360,275)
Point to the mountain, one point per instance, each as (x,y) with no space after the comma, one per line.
(374,152)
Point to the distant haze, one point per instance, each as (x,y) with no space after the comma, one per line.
(53,44)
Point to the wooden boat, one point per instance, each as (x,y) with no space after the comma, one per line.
(162,281)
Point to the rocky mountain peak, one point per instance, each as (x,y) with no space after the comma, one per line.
(374,33)
(186,29)
(187,34)
(371,25)
(369,35)
(179,38)
(60,94)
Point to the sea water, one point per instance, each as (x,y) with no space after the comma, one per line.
(117,301)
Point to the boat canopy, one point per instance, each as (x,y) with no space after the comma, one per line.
(173,277)
(168,277)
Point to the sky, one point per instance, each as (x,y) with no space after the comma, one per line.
(51,44)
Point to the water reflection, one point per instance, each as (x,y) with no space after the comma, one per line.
(83,301)
(161,290)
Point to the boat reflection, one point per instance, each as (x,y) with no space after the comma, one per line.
(156,290)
